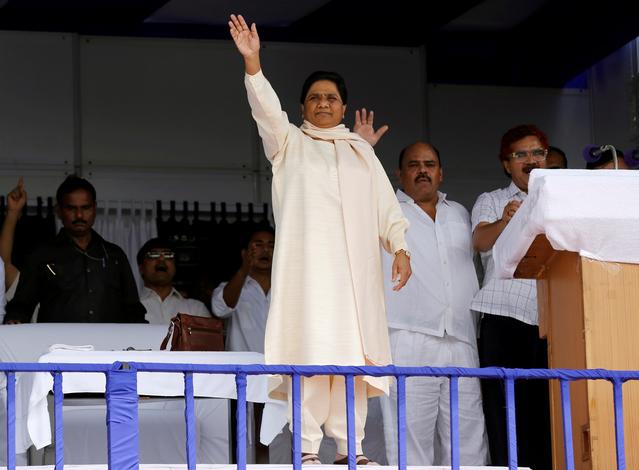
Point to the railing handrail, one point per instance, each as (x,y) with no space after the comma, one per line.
(121,397)
(309,370)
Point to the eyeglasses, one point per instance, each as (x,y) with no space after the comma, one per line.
(537,155)
(157,254)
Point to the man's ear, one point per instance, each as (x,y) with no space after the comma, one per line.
(506,165)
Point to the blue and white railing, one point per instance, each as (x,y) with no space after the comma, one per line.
(122,404)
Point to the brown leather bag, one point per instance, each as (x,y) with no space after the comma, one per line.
(191,333)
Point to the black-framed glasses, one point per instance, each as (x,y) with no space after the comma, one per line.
(537,155)
(167,254)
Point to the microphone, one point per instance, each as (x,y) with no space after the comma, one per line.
(632,158)
(593,153)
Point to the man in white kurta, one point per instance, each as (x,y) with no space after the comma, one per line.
(156,261)
(245,300)
(430,320)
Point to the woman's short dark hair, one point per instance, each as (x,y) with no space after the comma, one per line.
(73,183)
(318,75)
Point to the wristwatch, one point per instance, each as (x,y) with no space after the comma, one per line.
(406,252)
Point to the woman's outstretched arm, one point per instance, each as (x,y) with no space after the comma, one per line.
(247,42)
(272,123)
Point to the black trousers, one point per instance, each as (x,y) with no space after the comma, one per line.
(506,342)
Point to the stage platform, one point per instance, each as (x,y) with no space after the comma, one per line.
(255,467)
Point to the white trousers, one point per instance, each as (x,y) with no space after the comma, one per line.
(324,404)
(428,402)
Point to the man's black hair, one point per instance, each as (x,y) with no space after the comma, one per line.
(402,154)
(73,183)
(153,244)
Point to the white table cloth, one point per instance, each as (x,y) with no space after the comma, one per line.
(162,431)
(151,383)
(26,343)
(592,212)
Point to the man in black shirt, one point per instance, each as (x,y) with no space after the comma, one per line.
(78,277)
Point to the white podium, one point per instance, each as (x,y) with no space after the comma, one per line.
(577,233)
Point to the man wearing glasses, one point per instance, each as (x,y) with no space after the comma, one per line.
(156,261)
(509,332)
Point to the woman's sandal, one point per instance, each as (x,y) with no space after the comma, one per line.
(359,460)
(310,459)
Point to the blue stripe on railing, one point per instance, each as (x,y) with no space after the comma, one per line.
(511,426)
(401,422)
(58,397)
(454,422)
(240,382)
(567,424)
(350,421)
(11,420)
(126,391)
(296,412)
(617,393)
(189,415)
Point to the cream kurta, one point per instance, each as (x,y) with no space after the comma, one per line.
(327,304)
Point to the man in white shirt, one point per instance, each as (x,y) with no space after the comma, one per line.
(156,261)
(430,320)
(246,298)
(509,332)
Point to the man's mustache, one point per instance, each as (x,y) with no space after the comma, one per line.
(80,221)
(424,176)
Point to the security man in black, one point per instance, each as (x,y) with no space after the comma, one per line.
(78,277)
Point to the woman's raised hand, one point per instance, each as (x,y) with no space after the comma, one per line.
(246,39)
(364,127)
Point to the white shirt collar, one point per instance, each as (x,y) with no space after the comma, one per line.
(513,190)
(148,292)
(403,197)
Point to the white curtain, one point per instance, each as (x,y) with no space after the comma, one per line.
(128,224)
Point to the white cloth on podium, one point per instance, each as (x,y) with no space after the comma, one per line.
(592,212)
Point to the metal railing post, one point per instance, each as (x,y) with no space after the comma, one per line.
(122,418)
